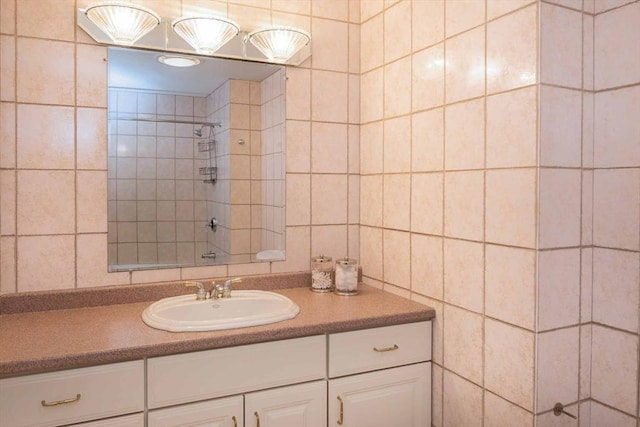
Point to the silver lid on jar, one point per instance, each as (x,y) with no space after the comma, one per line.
(347,261)
(321,259)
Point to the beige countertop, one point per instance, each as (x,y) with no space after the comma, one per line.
(40,341)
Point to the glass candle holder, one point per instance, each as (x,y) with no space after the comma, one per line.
(346,277)
(321,274)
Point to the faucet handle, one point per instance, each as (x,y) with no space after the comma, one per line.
(227,285)
(201,294)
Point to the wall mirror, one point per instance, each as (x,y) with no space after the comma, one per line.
(196,160)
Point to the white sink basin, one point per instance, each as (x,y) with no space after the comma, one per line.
(244,308)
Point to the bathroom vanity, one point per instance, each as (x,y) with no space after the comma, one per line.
(362,361)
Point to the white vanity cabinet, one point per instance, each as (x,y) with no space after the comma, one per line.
(293,406)
(72,396)
(389,396)
(226,412)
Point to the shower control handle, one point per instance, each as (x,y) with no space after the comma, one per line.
(213,224)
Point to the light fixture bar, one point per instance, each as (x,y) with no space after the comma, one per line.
(124,23)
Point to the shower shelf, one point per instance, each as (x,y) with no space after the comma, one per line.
(211,172)
(206,146)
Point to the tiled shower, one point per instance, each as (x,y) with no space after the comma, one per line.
(481,156)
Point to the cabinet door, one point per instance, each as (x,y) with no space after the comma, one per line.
(225,412)
(392,397)
(292,406)
(136,420)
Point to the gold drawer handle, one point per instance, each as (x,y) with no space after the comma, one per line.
(382,350)
(257,419)
(235,421)
(341,420)
(61,402)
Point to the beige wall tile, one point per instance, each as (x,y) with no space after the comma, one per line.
(300,6)
(560,127)
(512,142)
(369,8)
(330,240)
(463,274)
(372,46)
(91,147)
(497,8)
(428,78)
(329,199)
(299,146)
(331,52)
(298,95)
(46,263)
(510,207)
(427,203)
(510,289)
(509,360)
(462,15)
(298,199)
(586,282)
(459,393)
(54,190)
(371,191)
(427,19)
(353,133)
(616,208)
(585,361)
(298,252)
(558,288)
(91,83)
(353,194)
(8,135)
(465,77)
(91,261)
(557,374)
(371,252)
(7,265)
(332,9)
(397,264)
(500,413)
(587,207)
(371,152)
(560,46)
(616,131)
(619,66)
(427,266)
(397,145)
(427,141)
(397,88)
(602,415)
(397,20)
(7,202)
(8,19)
(329,108)
(512,50)
(463,344)
(588,53)
(464,135)
(8,71)
(463,204)
(329,147)
(614,373)
(616,275)
(91,193)
(397,201)
(50,19)
(42,126)
(559,208)
(372,105)
(45,72)
(354,99)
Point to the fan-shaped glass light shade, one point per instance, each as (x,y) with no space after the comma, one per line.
(279,43)
(205,34)
(123,22)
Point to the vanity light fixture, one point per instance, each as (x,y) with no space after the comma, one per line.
(279,44)
(206,34)
(124,23)
(179,60)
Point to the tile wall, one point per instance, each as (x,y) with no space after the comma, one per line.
(53,150)
(157,200)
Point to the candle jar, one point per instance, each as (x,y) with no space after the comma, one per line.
(321,274)
(346,277)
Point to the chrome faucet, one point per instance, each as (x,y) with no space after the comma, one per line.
(223,290)
(201,294)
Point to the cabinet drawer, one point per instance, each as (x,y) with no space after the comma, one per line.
(214,373)
(378,348)
(211,413)
(136,420)
(72,396)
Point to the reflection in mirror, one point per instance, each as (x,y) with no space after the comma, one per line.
(196,162)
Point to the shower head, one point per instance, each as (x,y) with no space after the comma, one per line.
(198,132)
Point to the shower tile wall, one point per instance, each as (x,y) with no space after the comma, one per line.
(157,201)
(53,138)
